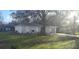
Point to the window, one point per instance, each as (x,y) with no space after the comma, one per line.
(7,29)
(33,31)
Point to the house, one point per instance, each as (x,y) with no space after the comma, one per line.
(33,28)
(6,28)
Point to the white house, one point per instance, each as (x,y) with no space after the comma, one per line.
(27,29)
(34,28)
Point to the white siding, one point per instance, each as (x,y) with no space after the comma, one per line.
(34,29)
(18,29)
(27,29)
(50,29)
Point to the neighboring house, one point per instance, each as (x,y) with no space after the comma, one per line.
(6,28)
(33,28)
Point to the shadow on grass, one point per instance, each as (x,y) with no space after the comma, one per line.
(38,40)
(46,40)
(27,41)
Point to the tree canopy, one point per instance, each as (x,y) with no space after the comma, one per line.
(43,17)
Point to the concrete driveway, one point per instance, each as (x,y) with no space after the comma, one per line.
(67,35)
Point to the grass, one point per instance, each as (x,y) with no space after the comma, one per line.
(21,41)
(77,33)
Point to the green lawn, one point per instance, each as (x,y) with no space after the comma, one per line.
(8,40)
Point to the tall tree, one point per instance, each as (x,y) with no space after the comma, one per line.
(43,21)
(39,16)
(58,18)
(73,21)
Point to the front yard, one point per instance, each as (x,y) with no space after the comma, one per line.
(21,41)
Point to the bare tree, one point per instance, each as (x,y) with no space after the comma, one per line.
(40,16)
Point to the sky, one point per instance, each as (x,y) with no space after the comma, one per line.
(6,15)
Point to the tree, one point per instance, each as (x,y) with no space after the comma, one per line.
(43,20)
(40,17)
(27,15)
(74,24)
(59,18)
(73,21)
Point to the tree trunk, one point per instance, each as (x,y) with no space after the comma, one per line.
(57,29)
(43,32)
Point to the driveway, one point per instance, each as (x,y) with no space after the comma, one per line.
(68,36)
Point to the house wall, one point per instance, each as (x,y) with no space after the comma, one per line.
(50,30)
(35,29)
(7,29)
(27,29)
(18,29)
